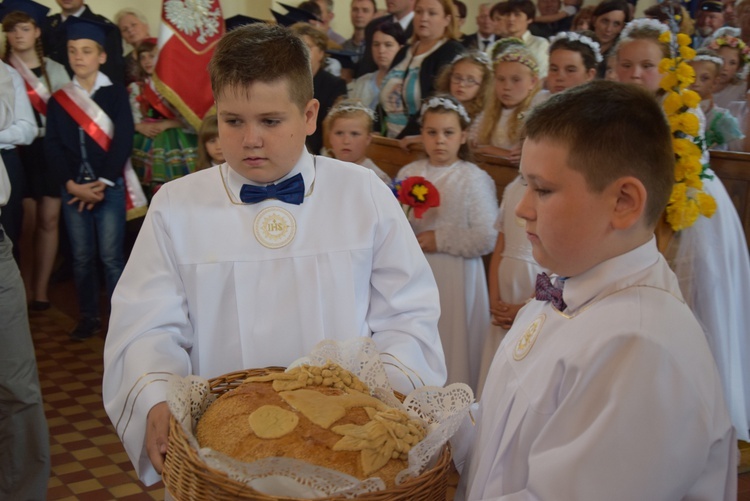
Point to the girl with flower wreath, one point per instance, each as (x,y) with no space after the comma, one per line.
(41,199)
(164,146)
(348,128)
(731,85)
(516,90)
(708,254)
(573,60)
(722,129)
(456,234)
(468,78)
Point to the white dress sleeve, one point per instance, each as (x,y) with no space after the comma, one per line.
(479,236)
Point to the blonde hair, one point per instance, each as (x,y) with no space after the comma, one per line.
(208,130)
(494,107)
(443,82)
(347,108)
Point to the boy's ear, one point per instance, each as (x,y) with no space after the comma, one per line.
(311,115)
(102,57)
(630,206)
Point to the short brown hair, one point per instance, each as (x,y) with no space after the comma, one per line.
(262,53)
(208,130)
(611,130)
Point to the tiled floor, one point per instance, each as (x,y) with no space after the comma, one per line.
(88,461)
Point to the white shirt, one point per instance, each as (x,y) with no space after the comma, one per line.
(617,398)
(7,103)
(201,295)
(23,129)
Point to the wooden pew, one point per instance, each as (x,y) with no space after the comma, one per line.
(733,168)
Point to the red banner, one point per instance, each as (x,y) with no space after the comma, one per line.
(188,35)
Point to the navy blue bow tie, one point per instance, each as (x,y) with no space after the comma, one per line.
(291,191)
(545,291)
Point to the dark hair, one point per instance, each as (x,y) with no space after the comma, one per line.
(585,14)
(9,22)
(500,9)
(525,6)
(600,122)
(147,45)
(460,8)
(606,6)
(313,8)
(587,53)
(393,29)
(262,53)
(464,153)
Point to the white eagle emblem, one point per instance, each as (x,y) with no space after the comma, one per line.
(191,16)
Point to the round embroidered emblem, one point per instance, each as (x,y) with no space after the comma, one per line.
(274,227)
(524,345)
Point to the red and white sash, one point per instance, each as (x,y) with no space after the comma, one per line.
(87,114)
(97,124)
(35,88)
(154,100)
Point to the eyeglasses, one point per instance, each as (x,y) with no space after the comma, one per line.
(459,80)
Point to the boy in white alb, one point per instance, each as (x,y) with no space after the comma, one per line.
(606,388)
(253,262)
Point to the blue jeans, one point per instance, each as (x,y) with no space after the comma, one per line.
(100,229)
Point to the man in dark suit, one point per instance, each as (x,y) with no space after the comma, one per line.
(400,11)
(55,42)
(485,35)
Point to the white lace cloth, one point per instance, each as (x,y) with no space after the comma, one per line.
(442,410)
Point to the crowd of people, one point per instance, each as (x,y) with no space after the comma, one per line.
(83,112)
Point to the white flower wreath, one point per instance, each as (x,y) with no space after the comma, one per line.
(446,104)
(577,37)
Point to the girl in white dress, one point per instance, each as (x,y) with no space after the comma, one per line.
(514,93)
(573,59)
(348,127)
(710,257)
(456,234)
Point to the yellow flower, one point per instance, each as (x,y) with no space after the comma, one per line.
(687,52)
(690,98)
(678,195)
(682,215)
(672,103)
(706,204)
(685,147)
(683,40)
(687,166)
(690,124)
(666,64)
(666,37)
(693,180)
(685,73)
(669,81)
(420,192)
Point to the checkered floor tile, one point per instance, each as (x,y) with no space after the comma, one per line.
(88,460)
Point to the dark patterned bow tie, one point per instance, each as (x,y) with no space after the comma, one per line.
(545,291)
(291,191)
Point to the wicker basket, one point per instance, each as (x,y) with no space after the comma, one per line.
(188,478)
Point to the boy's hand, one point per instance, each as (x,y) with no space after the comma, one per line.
(427,241)
(503,314)
(157,434)
(86,195)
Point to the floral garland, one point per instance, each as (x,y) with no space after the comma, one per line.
(687,201)
(734,43)
(577,37)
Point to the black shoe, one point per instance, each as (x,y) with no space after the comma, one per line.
(86,328)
